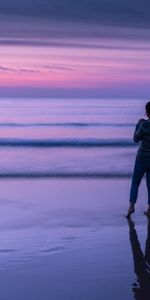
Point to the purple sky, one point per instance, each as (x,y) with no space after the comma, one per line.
(85,48)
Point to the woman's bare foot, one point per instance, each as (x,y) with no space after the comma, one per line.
(130,211)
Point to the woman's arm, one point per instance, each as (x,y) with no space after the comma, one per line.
(138,133)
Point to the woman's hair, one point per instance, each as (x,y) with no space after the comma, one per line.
(147,107)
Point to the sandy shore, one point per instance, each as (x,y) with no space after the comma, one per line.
(68,239)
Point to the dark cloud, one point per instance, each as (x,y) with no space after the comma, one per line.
(83,43)
(16,70)
(24,31)
(123,12)
(48,68)
(6,69)
(68,23)
(57,68)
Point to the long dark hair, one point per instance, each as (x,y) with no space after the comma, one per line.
(147,107)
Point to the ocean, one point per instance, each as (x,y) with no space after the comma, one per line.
(69,239)
(68,137)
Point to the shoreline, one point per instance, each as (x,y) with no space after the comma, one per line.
(67,239)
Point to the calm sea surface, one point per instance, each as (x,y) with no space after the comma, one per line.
(73,137)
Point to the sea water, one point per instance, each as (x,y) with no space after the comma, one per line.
(68,137)
(68,239)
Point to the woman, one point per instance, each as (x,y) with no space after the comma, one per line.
(142,162)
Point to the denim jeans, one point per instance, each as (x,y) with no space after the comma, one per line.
(140,168)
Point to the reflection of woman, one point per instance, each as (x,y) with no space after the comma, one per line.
(142,162)
(141,288)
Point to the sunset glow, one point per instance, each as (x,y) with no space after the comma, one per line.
(73,66)
(56,53)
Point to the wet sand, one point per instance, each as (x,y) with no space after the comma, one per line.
(69,239)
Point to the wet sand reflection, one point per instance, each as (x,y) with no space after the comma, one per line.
(141,288)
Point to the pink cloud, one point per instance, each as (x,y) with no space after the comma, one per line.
(76,66)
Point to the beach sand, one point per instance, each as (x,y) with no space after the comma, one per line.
(68,239)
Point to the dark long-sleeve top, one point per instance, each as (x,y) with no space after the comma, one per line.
(142,135)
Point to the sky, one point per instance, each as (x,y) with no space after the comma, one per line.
(68,48)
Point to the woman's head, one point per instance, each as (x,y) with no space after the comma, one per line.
(147,108)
